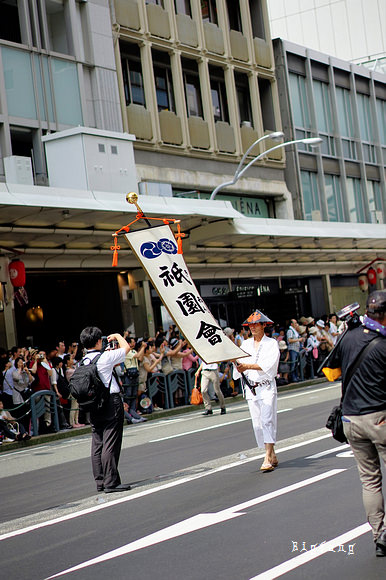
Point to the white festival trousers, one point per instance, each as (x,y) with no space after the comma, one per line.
(263,410)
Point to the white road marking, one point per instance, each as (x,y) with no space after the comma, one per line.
(195,523)
(312,554)
(329,451)
(146,492)
(225,424)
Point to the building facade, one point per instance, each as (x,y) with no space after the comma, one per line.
(351,30)
(345,104)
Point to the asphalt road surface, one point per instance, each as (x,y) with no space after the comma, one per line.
(199,508)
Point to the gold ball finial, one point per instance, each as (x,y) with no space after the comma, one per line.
(132,197)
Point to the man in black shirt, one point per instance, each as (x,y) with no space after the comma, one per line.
(364,408)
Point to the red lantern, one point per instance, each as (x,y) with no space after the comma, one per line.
(372,276)
(381,271)
(16,271)
(363,282)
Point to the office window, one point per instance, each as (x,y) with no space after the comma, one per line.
(345,120)
(333,198)
(182,7)
(132,75)
(18,81)
(234,16)
(310,194)
(10,22)
(58,26)
(324,116)
(381,118)
(366,127)
(266,102)
(163,81)
(243,97)
(300,107)
(355,200)
(374,196)
(219,96)
(66,92)
(192,88)
(257,18)
(209,11)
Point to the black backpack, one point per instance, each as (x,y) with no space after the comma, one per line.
(87,387)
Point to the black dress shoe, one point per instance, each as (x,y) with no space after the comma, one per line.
(223,411)
(380,545)
(118,488)
(207,412)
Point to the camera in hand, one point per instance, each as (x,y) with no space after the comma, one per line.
(112,345)
(350,316)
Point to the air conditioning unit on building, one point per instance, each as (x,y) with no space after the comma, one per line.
(18,170)
(155,188)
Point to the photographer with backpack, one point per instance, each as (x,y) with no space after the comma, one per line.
(106,407)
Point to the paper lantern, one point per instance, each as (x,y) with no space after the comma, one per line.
(381,271)
(363,282)
(372,276)
(16,271)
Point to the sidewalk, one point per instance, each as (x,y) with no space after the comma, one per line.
(41,439)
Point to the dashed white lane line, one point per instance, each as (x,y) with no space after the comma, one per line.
(195,523)
(301,559)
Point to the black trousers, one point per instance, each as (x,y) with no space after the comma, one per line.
(107,431)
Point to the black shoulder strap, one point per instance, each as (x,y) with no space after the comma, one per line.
(357,363)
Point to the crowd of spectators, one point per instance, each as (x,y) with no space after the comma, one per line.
(303,345)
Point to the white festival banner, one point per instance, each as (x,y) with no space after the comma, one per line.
(156,249)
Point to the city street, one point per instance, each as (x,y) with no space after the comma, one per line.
(199,507)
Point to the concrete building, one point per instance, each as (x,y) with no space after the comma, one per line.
(167,95)
(351,30)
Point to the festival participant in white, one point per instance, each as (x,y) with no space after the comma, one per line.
(258,373)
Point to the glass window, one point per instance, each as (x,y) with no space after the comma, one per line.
(132,74)
(182,7)
(10,22)
(333,198)
(18,82)
(266,102)
(345,120)
(354,200)
(66,92)
(257,18)
(243,97)
(310,194)
(218,92)
(209,11)
(374,196)
(234,15)
(381,115)
(364,113)
(192,88)
(299,101)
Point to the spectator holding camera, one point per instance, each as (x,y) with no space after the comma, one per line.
(106,422)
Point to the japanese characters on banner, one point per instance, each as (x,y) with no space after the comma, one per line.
(156,249)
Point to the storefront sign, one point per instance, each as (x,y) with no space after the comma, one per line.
(156,249)
(210,291)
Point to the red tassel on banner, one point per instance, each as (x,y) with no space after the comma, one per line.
(179,235)
(115,249)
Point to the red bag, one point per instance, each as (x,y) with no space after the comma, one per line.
(196,397)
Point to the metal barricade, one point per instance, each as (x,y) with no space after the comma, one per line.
(177,380)
(157,383)
(43,402)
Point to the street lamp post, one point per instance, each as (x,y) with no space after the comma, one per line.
(242,169)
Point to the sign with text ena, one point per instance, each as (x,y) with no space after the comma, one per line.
(156,249)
